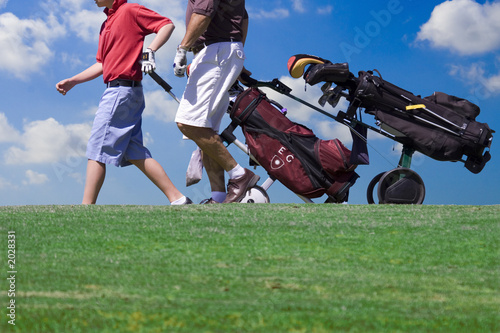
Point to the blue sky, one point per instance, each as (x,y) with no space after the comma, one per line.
(422,46)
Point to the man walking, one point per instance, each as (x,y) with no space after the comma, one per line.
(215,33)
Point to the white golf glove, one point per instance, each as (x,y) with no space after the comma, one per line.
(148,61)
(180,62)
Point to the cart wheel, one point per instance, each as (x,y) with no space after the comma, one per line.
(256,195)
(371,186)
(401,186)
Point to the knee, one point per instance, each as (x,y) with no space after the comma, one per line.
(184,129)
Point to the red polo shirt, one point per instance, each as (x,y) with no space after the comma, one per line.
(122,37)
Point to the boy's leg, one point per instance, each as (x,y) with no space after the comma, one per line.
(155,172)
(96,172)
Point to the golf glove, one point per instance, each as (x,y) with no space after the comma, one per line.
(180,62)
(148,61)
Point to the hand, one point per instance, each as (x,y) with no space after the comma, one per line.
(148,61)
(244,76)
(64,86)
(180,61)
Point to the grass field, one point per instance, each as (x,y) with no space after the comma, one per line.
(251,268)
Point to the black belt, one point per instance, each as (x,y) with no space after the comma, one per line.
(124,83)
(197,48)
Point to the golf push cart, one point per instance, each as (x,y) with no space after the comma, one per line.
(440,126)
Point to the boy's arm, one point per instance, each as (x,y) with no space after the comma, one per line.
(148,57)
(90,73)
(161,37)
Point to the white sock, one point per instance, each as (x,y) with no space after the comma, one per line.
(218,196)
(180,201)
(237,172)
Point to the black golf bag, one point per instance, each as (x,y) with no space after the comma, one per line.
(441,126)
(290,152)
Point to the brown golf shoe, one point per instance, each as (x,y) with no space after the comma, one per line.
(236,188)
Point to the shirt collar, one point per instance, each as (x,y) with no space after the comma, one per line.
(116,5)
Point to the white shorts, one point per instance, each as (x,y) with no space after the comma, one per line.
(212,73)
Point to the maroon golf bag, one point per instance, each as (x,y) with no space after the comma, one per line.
(290,152)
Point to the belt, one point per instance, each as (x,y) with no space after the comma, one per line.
(123,83)
(197,48)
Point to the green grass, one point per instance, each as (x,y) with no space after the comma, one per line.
(253,268)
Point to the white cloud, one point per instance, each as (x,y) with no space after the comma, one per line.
(174,10)
(324,10)
(296,110)
(48,141)
(4,183)
(475,75)
(298,6)
(86,24)
(147,139)
(330,129)
(35,178)
(73,5)
(25,43)
(7,132)
(324,127)
(160,106)
(72,60)
(78,177)
(278,13)
(464,26)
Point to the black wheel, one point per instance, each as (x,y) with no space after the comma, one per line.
(371,186)
(401,186)
(256,195)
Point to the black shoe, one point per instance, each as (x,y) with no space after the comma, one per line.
(208,201)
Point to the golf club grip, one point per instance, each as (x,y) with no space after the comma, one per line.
(160,81)
(248,81)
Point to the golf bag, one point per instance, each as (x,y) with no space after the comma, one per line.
(290,152)
(441,126)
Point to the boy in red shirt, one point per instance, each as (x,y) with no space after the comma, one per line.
(116,136)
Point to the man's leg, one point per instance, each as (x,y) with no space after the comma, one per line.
(155,172)
(96,172)
(216,176)
(210,143)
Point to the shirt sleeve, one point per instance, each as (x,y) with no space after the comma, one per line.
(150,21)
(205,7)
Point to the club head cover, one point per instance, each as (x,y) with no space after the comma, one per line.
(297,63)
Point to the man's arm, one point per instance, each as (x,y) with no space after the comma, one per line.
(198,24)
(244,30)
(89,74)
